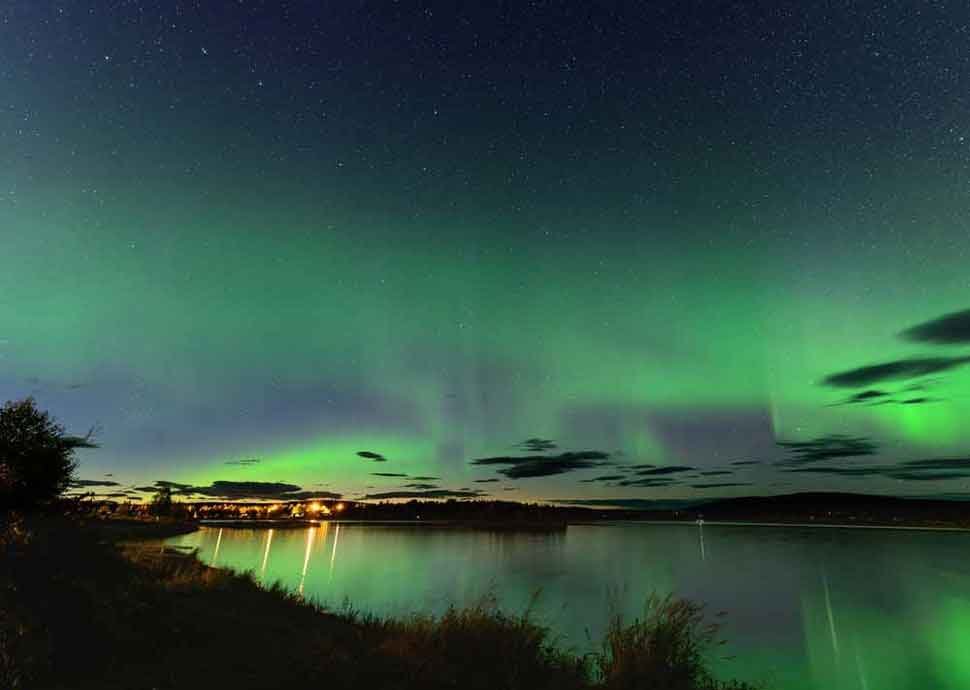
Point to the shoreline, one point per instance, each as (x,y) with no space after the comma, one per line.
(555,527)
(140,614)
(821,525)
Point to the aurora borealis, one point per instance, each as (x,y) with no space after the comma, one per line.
(253,240)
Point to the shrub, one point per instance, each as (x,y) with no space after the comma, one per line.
(36,456)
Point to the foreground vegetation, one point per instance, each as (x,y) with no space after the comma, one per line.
(82,607)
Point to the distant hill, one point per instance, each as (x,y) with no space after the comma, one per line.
(836,507)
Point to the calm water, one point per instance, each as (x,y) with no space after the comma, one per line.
(806,608)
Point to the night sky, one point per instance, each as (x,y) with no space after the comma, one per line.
(317,243)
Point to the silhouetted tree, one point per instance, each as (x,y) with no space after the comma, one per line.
(36,455)
(162,501)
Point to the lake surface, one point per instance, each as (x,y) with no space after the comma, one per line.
(810,608)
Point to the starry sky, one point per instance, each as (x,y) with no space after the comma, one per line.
(537,250)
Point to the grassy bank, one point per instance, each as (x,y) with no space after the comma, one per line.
(83,606)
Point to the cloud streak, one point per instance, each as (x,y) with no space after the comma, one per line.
(245,462)
(435,493)
(896,370)
(668,469)
(933,469)
(949,329)
(537,445)
(530,466)
(828,448)
(371,455)
(230,490)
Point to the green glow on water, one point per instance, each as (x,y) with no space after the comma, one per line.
(805,609)
(950,636)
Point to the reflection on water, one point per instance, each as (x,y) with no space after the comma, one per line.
(807,609)
(269,542)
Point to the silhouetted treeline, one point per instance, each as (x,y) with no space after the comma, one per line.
(812,508)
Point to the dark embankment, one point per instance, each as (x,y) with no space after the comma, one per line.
(81,609)
(838,508)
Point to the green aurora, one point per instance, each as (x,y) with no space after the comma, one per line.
(218,264)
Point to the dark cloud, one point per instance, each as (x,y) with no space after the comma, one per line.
(486,481)
(420,485)
(669,469)
(927,476)
(828,447)
(938,464)
(650,481)
(527,459)
(840,471)
(876,397)
(388,474)
(921,386)
(714,473)
(641,466)
(545,465)
(245,462)
(537,445)
(604,478)
(175,487)
(78,442)
(720,485)
(307,495)
(949,329)
(172,485)
(230,490)
(437,493)
(426,479)
(370,455)
(894,371)
(91,482)
(546,469)
(865,396)
(742,463)
(934,469)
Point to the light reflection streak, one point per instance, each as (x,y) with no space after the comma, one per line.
(700,532)
(863,681)
(333,553)
(215,554)
(831,617)
(310,533)
(269,540)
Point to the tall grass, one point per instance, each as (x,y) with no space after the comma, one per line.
(669,648)
(477,647)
